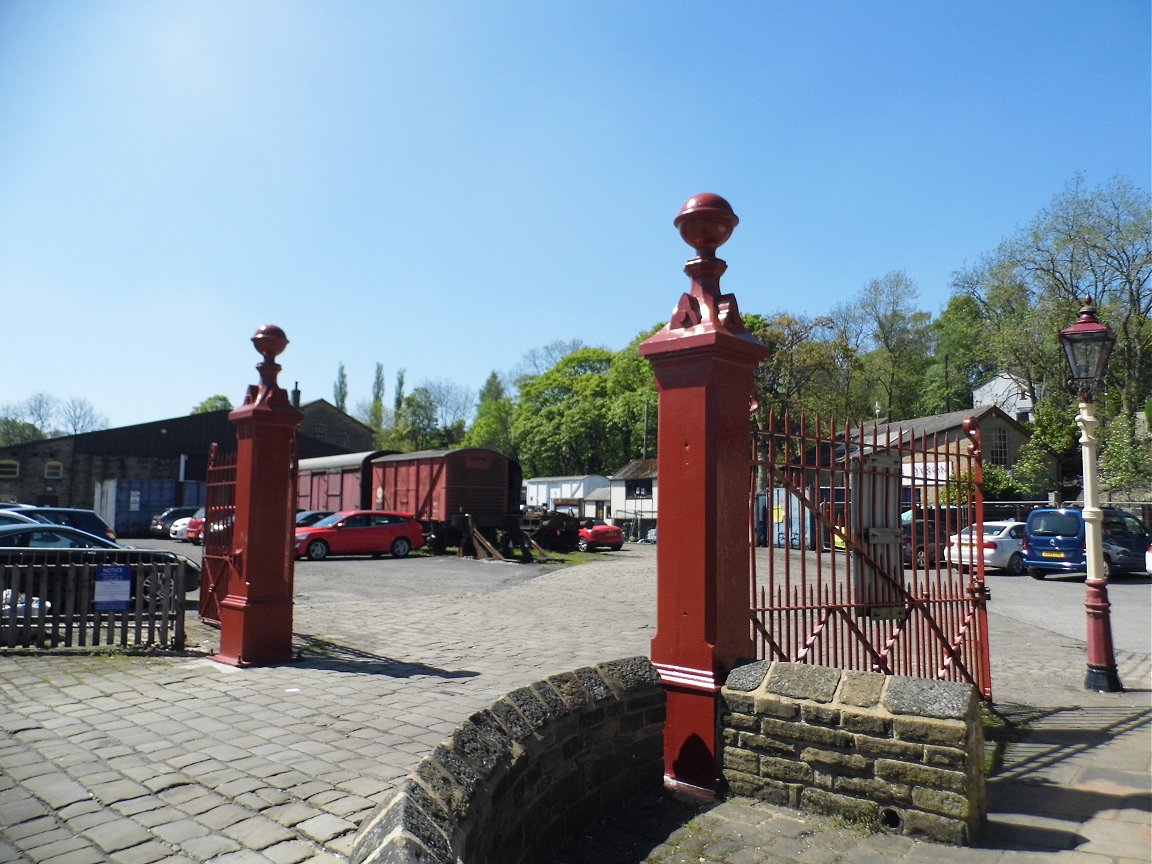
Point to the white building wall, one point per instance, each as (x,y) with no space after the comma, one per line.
(544,491)
(1006,393)
(625,510)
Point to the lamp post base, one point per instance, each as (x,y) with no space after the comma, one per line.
(1101,675)
(1103,679)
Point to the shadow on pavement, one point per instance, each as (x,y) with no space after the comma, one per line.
(317,653)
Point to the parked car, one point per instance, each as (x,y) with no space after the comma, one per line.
(1054,542)
(14,517)
(179,529)
(1002,543)
(161,523)
(360,532)
(922,543)
(597,534)
(74,517)
(195,531)
(310,517)
(17,541)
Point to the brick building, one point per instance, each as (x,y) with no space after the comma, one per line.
(65,471)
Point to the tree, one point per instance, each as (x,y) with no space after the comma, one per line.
(1099,242)
(1086,242)
(453,402)
(213,403)
(340,388)
(39,409)
(398,399)
(16,431)
(792,379)
(960,362)
(899,334)
(537,361)
(1125,463)
(492,427)
(376,411)
(79,416)
(415,425)
(585,415)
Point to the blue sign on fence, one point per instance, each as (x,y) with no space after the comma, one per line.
(113,589)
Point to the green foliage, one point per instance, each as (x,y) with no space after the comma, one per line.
(213,403)
(492,427)
(1052,452)
(585,415)
(1000,484)
(376,406)
(340,388)
(1125,464)
(13,431)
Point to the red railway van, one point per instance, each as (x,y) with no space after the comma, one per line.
(436,485)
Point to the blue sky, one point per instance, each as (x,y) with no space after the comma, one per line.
(441,186)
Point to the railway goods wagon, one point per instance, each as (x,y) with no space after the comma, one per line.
(334,483)
(443,487)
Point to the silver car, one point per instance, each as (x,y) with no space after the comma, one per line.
(1002,544)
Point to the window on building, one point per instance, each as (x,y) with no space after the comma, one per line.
(342,439)
(319,430)
(638,488)
(998,451)
(9,469)
(53,470)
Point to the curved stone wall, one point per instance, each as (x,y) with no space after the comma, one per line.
(533,768)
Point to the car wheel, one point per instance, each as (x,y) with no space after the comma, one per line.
(401,546)
(616,548)
(317,550)
(1107,570)
(921,559)
(1036,574)
(582,544)
(1015,564)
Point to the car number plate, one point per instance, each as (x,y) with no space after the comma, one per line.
(1052,554)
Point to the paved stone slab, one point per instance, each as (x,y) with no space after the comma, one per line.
(312,747)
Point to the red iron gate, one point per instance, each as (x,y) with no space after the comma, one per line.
(856,573)
(219,517)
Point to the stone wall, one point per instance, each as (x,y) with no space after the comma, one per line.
(901,754)
(538,765)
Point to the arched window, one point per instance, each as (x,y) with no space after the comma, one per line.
(9,469)
(53,470)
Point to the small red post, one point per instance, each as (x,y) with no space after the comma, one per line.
(256,614)
(704,362)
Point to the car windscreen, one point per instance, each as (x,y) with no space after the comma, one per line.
(1054,525)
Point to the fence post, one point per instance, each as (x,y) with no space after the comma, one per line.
(704,362)
(256,613)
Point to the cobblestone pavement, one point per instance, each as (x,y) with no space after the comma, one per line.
(178,759)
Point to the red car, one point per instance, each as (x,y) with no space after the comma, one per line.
(596,533)
(360,532)
(194,533)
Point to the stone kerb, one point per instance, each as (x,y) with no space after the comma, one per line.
(537,765)
(902,754)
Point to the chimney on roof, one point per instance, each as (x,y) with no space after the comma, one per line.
(295,394)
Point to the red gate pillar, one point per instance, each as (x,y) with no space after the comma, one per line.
(704,362)
(256,614)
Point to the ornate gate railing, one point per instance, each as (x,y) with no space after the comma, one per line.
(219,516)
(855,572)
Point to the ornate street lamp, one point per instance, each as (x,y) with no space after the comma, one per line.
(1087,346)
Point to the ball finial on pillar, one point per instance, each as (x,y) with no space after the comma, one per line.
(706,221)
